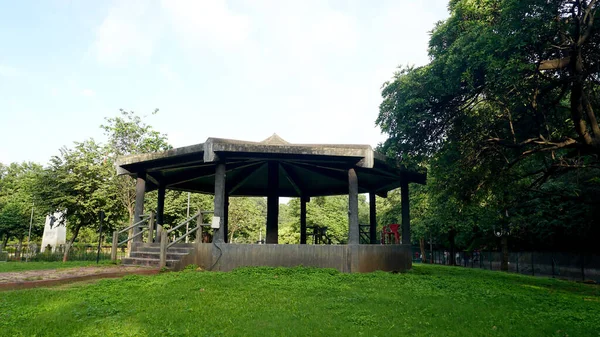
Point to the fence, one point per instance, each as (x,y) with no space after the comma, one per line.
(78,252)
(572,266)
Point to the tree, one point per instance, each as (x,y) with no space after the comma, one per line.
(129,134)
(79,183)
(246,216)
(330,212)
(503,113)
(17,200)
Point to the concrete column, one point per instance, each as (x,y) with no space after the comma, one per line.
(140,191)
(372,218)
(353,230)
(273,203)
(303,220)
(226,218)
(405,212)
(219,206)
(160,210)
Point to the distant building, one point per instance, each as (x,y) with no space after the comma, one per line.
(55,231)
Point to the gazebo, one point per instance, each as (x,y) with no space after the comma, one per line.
(275,168)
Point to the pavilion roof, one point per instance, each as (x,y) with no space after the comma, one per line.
(304,169)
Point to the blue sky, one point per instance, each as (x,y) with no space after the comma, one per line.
(310,71)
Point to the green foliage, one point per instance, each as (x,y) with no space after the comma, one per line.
(78,183)
(331,212)
(504,119)
(17,187)
(129,134)
(434,301)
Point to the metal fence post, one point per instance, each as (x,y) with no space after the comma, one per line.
(115,243)
(532,266)
(518,255)
(490,259)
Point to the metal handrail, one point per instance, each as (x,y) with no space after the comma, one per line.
(143,219)
(183,223)
(164,246)
(182,237)
(133,236)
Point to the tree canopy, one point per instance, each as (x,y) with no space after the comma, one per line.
(504,118)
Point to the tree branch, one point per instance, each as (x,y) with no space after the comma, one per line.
(555,63)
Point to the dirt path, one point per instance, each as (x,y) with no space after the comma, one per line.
(50,277)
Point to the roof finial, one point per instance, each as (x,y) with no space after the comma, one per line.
(274,140)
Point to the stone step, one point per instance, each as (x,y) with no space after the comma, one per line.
(156,255)
(138,261)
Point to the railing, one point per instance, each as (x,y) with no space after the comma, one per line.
(165,245)
(150,228)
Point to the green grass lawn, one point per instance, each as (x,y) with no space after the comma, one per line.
(20,266)
(428,301)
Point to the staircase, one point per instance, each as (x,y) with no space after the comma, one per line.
(148,254)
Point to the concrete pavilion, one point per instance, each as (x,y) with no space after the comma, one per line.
(275,168)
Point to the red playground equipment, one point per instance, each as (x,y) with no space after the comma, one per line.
(390,235)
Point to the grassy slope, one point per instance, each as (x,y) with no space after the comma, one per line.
(20,266)
(429,301)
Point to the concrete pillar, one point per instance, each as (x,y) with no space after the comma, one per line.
(303,220)
(405,212)
(140,191)
(160,210)
(353,230)
(273,203)
(372,218)
(226,218)
(219,206)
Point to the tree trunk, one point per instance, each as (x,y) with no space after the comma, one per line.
(423,254)
(70,243)
(4,242)
(231,236)
(504,241)
(451,236)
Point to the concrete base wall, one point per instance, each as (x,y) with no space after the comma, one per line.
(345,258)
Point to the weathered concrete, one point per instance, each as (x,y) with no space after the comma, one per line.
(219,202)
(191,168)
(345,258)
(55,231)
(405,213)
(372,218)
(140,189)
(273,203)
(353,230)
(303,220)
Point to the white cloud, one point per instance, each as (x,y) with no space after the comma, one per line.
(127,33)
(207,23)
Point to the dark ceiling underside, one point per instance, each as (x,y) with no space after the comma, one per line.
(248,175)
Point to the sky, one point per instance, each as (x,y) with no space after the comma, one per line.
(310,71)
